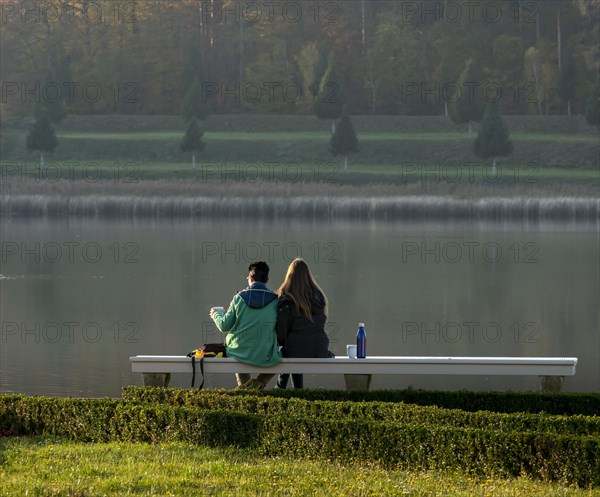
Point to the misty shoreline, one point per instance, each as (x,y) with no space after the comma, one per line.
(407,207)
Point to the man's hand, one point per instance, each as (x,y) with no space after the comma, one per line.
(216,310)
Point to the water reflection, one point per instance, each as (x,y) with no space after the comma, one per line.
(69,324)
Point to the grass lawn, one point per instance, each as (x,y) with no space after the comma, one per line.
(292,172)
(322,136)
(549,161)
(45,467)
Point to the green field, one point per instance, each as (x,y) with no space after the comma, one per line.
(400,155)
(47,467)
(320,136)
(331,172)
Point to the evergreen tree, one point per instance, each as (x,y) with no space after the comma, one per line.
(468,105)
(195,104)
(493,139)
(330,100)
(42,137)
(592,110)
(344,140)
(568,79)
(192,141)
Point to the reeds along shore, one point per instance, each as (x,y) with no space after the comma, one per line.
(304,207)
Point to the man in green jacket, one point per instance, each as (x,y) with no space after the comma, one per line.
(250,326)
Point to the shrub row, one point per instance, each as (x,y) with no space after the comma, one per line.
(373,411)
(587,404)
(551,457)
(105,420)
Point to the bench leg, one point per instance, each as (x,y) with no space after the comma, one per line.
(156,379)
(551,384)
(357,381)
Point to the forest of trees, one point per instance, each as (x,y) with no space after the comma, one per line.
(388,56)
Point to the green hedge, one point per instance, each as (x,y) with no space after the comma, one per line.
(587,404)
(105,420)
(551,457)
(569,459)
(373,411)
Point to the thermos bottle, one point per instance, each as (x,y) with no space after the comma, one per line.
(361,342)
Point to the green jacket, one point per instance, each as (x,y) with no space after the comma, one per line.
(250,326)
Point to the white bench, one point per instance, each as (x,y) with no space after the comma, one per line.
(156,370)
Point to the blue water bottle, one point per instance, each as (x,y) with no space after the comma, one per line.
(361,342)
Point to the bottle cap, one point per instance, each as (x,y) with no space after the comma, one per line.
(361,325)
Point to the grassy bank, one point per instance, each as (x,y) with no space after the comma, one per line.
(47,467)
(385,141)
(247,155)
(234,180)
(322,136)
(450,174)
(569,151)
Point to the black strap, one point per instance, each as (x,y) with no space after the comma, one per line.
(194,371)
(201,372)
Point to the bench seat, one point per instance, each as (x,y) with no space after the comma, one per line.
(358,371)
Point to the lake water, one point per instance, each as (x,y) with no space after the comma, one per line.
(79,296)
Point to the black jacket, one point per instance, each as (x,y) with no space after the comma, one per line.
(298,335)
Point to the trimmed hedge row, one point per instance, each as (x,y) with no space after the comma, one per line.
(372,411)
(551,457)
(587,404)
(570,459)
(105,420)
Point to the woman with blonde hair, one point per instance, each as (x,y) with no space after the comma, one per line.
(301,316)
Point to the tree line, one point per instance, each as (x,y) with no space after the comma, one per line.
(377,57)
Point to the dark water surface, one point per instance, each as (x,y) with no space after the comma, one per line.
(79,296)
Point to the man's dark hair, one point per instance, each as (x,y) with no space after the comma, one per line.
(259,271)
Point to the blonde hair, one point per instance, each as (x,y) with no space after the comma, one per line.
(299,286)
